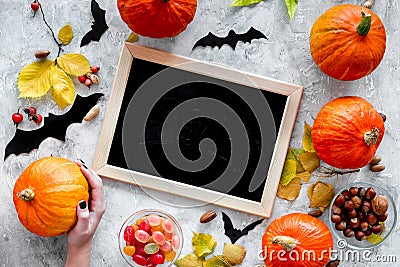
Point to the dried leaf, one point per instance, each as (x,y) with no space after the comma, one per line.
(234,253)
(190,260)
(35,79)
(215,262)
(133,37)
(203,244)
(65,34)
(310,190)
(307,140)
(376,238)
(291,191)
(288,172)
(322,195)
(74,64)
(63,88)
(304,176)
(244,2)
(291,6)
(310,161)
(293,153)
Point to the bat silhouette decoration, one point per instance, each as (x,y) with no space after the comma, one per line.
(54,126)
(232,39)
(99,25)
(235,234)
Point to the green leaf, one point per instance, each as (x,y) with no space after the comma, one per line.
(65,34)
(190,260)
(291,7)
(74,64)
(288,172)
(309,161)
(216,261)
(63,88)
(307,140)
(293,153)
(244,2)
(35,79)
(203,244)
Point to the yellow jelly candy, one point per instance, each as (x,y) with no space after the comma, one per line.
(170,255)
(129,250)
(139,221)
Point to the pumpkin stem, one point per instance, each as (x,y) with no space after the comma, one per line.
(289,243)
(365,24)
(370,138)
(27,194)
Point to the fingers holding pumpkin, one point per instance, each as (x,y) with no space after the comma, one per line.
(83,214)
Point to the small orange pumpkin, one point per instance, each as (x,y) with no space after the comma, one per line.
(157,18)
(348,42)
(297,240)
(347,132)
(46,195)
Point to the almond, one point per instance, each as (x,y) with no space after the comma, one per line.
(93,112)
(208,216)
(42,53)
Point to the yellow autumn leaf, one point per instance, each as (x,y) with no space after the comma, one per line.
(65,34)
(291,191)
(74,64)
(376,238)
(310,190)
(133,37)
(288,172)
(322,195)
(309,161)
(307,140)
(304,176)
(234,254)
(190,260)
(216,261)
(63,88)
(35,79)
(293,153)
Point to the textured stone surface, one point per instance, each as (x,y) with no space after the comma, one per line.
(284,56)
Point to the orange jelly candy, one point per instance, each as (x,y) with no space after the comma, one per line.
(129,250)
(170,255)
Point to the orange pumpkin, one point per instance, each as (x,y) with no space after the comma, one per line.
(346,43)
(297,240)
(157,18)
(346,132)
(46,195)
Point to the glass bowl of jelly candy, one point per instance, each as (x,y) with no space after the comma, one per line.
(150,238)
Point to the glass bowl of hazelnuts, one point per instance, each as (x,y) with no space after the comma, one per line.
(363,214)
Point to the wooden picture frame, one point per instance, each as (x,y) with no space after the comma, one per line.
(262,208)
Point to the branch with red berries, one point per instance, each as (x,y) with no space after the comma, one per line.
(17,117)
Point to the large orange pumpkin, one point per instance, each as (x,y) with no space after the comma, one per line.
(346,132)
(157,18)
(297,240)
(348,42)
(46,195)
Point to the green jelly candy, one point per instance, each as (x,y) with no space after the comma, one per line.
(151,248)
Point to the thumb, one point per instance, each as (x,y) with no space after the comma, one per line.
(82,212)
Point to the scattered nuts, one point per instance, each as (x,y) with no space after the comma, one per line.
(366,206)
(361,215)
(346,194)
(336,209)
(383,116)
(340,226)
(353,191)
(380,204)
(360,236)
(93,112)
(339,201)
(364,226)
(357,201)
(349,205)
(375,160)
(352,214)
(333,263)
(316,213)
(377,229)
(208,216)
(370,194)
(335,218)
(361,192)
(383,217)
(371,219)
(368,232)
(377,167)
(354,223)
(42,53)
(348,232)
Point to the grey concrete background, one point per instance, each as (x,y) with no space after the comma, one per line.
(284,56)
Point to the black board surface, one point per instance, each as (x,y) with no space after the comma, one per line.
(196,129)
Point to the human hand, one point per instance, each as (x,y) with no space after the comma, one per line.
(79,238)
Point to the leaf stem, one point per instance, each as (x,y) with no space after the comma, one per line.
(51,30)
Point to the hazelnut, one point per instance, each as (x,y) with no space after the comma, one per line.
(316,213)
(361,192)
(352,214)
(383,217)
(335,218)
(370,194)
(333,263)
(339,201)
(361,216)
(368,232)
(354,223)
(349,205)
(336,209)
(343,216)
(366,206)
(375,160)
(353,191)
(360,235)
(364,226)
(380,204)
(340,226)
(346,194)
(371,219)
(357,201)
(377,229)
(383,116)
(348,232)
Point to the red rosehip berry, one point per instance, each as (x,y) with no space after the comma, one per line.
(39,119)
(35,6)
(17,118)
(30,110)
(94,69)
(82,78)
(88,82)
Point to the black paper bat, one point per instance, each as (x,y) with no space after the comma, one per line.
(235,234)
(99,25)
(232,39)
(54,126)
